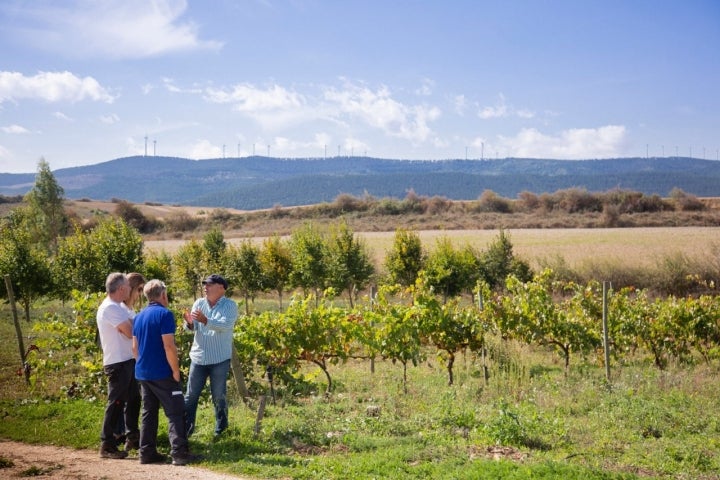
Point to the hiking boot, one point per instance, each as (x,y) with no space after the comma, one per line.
(132,442)
(155,457)
(112,452)
(185,458)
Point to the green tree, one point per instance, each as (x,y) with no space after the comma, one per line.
(85,258)
(189,268)
(244,269)
(23,260)
(406,258)
(158,265)
(276,263)
(47,213)
(499,261)
(215,247)
(350,268)
(450,271)
(309,252)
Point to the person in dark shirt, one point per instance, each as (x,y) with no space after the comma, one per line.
(157,368)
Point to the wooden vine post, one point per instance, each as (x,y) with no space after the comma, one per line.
(18,330)
(239,377)
(606,339)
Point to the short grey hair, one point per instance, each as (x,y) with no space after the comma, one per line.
(114,281)
(154,289)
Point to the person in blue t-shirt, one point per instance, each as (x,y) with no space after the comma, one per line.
(212,319)
(157,368)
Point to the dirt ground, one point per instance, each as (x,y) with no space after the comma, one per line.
(20,460)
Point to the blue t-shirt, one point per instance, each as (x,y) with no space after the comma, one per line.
(150,325)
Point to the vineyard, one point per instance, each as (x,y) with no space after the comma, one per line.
(304,361)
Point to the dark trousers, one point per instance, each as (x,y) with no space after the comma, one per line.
(168,394)
(123,401)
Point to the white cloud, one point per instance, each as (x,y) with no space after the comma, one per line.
(15,129)
(248,98)
(62,116)
(51,87)
(380,110)
(205,149)
(578,143)
(502,110)
(113,28)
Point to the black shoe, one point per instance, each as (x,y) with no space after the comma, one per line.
(185,458)
(156,457)
(112,452)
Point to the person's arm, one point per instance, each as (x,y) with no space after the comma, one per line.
(135,347)
(125,328)
(188,324)
(171,354)
(223,318)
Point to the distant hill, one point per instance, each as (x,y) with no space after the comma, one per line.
(261,182)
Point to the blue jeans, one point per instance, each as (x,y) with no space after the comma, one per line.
(197,377)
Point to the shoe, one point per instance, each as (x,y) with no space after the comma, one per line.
(156,457)
(184,459)
(112,452)
(132,443)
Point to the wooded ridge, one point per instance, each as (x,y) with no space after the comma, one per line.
(257,182)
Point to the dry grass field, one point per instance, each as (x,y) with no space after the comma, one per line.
(637,247)
(632,247)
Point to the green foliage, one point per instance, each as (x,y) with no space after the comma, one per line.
(349,265)
(84,259)
(158,265)
(398,330)
(215,247)
(189,268)
(530,313)
(405,258)
(309,252)
(276,263)
(498,261)
(69,345)
(23,260)
(47,213)
(450,271)
(449,326)
(244,270)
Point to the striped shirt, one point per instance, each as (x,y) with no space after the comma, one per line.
(213,342)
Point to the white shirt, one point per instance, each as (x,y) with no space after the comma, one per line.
(116,347)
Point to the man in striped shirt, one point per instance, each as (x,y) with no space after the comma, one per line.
(212,320)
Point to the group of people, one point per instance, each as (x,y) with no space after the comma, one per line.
(140,360)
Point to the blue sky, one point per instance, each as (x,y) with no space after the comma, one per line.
(83,82)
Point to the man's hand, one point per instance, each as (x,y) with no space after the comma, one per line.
(199,316)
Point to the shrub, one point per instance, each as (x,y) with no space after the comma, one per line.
(490,201)
(685,201)
(181,222)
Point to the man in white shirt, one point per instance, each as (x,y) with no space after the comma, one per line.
(114,323)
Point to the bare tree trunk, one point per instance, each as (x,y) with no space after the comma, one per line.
(18,330)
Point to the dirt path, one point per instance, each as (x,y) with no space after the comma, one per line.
(60,463)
